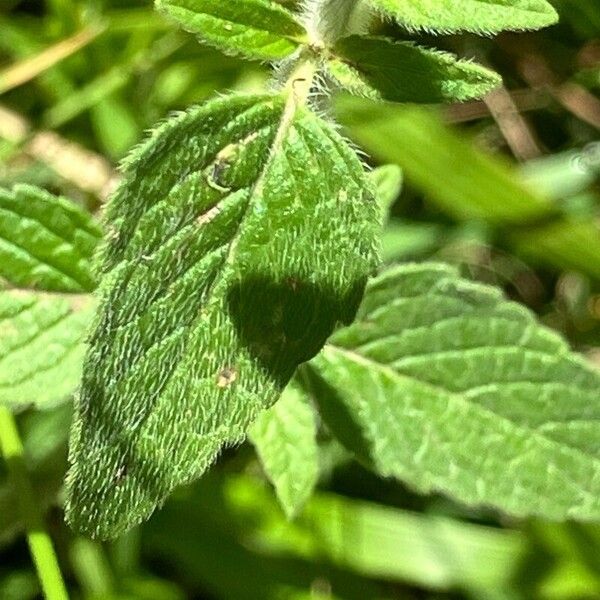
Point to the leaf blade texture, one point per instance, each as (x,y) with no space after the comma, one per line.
(41,347)
(447,386)
(259,29)
(46,242)
(285,439)
(232,253)
(380,68)
(477,16)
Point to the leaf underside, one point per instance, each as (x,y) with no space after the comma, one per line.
(285,440)
(260,29)
(46,242)
(478,16)
(41,347)
(383,69)
(233,250)
(449,387)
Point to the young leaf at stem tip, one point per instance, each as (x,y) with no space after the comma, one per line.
(243,232)
(383,69)
(449,387)
(259,29)
(477,16)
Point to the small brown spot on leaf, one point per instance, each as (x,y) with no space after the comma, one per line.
(208,216)
(221,163)
(120,475)
(249,139)
(227,153)
(226,377)
(112,233)
(214,175)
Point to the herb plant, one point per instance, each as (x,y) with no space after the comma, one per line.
(239,293)
(244,232)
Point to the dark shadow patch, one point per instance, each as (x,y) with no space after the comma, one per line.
(283,324)
(336,415)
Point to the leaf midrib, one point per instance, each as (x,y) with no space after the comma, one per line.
(288,116)
(286,121)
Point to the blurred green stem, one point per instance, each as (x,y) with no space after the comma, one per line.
(40,544)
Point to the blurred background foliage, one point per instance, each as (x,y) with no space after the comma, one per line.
(506,187)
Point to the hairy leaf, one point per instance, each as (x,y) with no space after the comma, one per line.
(41,347)
(449,387)
(242,233)
(285,440)
(478,16)
(383,69)
(259,29)
(46,242)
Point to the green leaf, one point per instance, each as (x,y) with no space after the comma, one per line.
(478,16)
(464,182)
(285,438)
(260,29)
(243,232)
(363,538)
(46,242)
(388,182)
(365,542)
(405,240)
(467,183)
(449,387)
(383,69)
(244,568)
(41,347)
(569,243)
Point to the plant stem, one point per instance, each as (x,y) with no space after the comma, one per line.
(298,87)
(40,544)
(329,20)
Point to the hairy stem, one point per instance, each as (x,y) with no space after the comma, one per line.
(40,544)
(298,87)
(329,20)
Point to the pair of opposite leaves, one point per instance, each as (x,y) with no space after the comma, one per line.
(376,67)
(242,234)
